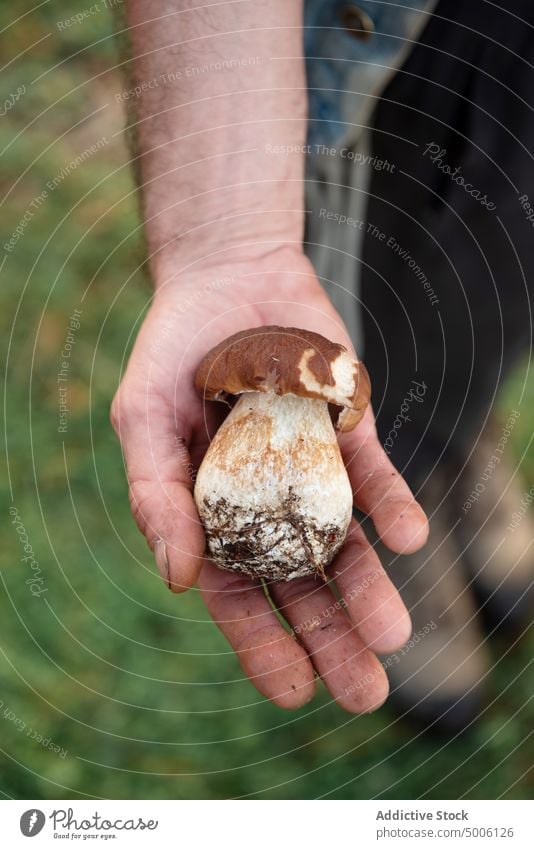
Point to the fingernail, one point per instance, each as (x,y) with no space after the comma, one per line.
(162,561)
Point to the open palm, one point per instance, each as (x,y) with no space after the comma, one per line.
(164,429)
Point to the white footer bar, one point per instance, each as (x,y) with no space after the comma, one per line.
(268,824)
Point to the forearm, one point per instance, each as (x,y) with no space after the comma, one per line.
(227,88)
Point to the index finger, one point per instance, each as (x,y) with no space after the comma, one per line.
(370,598)
(380,491)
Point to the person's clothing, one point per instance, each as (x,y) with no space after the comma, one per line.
(447,292)
(444,203)
(438,678)
(351,53)
(441,243)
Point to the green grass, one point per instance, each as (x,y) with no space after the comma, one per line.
(137,686)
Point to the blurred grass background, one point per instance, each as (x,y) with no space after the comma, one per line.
(134,684)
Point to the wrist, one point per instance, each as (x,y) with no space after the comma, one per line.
(175,267)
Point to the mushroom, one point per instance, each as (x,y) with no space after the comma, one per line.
(272,491)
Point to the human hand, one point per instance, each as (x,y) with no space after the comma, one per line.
(165,429)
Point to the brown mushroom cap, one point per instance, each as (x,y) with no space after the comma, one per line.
(283,360)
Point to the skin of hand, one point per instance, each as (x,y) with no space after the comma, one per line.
(165,428)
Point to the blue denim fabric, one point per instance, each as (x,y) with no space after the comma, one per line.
(346,74)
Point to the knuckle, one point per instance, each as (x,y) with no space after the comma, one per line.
(124,408)
(114,415)
(262,636)
(294,592)
(139,495)
(234,592)
(236,585)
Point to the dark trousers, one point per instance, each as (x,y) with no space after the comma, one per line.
(449,251)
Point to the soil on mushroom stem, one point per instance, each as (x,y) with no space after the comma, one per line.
(280,546)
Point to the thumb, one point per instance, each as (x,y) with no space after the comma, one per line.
(160,482)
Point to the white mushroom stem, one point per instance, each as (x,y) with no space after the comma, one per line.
(273,492)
